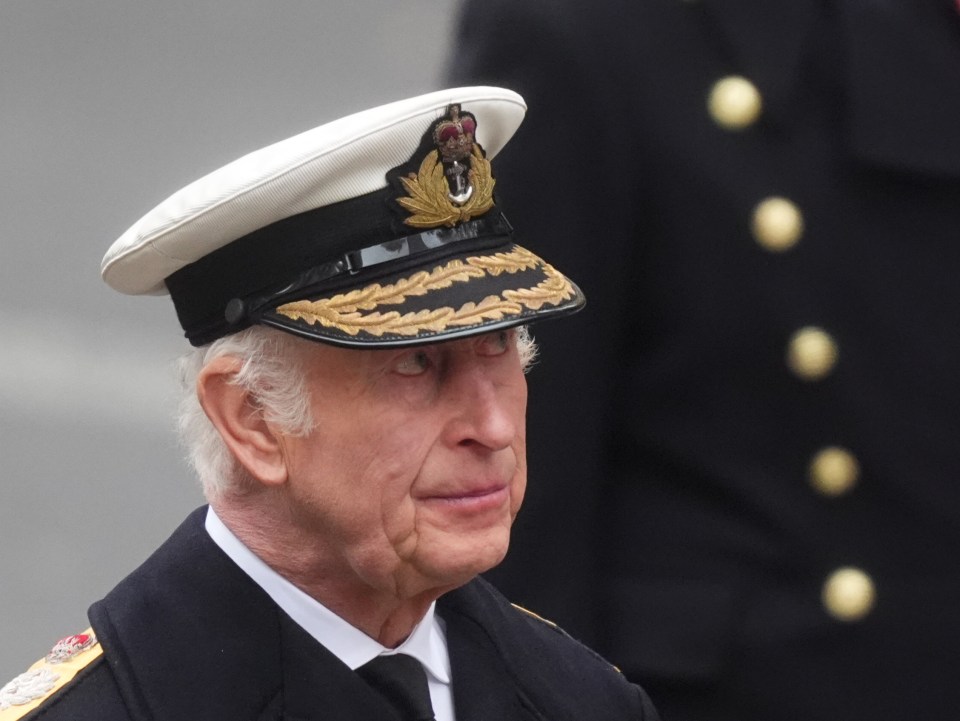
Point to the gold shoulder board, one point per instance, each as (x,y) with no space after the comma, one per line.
(48,675)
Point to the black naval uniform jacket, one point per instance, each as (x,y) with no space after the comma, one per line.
(190,637)
(670,443)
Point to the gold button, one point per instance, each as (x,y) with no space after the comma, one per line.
(848,594)
(734,103)
(811,354)
(777,224)
(834,471)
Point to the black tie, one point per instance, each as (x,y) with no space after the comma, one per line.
(403,682)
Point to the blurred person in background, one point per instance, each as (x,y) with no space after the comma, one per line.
(754,488)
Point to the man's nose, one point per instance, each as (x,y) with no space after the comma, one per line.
(486,411)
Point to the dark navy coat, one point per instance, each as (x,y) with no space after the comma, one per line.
(189,637)
(670,443)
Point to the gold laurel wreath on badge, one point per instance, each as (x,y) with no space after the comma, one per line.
(429,201)
(345,312)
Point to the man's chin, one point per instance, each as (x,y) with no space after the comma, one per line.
(459,564)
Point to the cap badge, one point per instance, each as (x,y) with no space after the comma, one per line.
(67,648)
(454,182)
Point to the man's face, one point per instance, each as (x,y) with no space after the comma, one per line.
(416,467)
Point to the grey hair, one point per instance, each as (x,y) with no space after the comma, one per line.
(272,372)
(526,347)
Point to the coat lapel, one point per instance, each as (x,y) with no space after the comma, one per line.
(317,685)
(178,634)
(189,635)
(484,687)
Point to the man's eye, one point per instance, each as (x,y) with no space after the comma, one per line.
(413,364)
(496,343)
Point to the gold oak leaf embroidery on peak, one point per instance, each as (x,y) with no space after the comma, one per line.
(553,290)
(343,312)
(377,324)
(375,295)
(511,262)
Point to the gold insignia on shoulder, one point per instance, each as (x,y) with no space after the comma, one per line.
(454,182)
(48,675)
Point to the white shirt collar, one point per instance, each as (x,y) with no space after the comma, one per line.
(427,643)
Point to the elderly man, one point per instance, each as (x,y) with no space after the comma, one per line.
(355,408)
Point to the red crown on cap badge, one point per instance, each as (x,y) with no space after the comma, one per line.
(454,135)
(454,182)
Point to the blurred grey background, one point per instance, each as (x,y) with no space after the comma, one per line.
(107,107)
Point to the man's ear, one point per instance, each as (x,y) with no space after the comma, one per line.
(238,420)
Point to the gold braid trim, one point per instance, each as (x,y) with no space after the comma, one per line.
(554,289)
(376,295)
(429,202)
(511,262)
(343,312)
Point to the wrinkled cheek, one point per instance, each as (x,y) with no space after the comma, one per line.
(399,524)
(517,493)
(518,487)
(382,559)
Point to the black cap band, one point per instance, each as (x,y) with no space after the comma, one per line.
(219,293)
